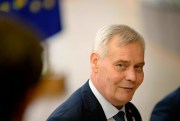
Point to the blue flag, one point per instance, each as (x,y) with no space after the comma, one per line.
(43,14)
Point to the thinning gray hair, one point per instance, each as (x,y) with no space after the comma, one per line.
(104,35)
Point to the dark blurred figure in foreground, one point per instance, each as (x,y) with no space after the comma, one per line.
(168,109)
(20,67)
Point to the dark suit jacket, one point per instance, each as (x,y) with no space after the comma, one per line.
(82,105)
(168,109)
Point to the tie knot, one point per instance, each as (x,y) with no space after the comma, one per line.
(119,116)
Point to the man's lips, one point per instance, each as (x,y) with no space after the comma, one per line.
(125,87)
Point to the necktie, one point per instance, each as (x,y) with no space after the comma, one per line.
(119,116)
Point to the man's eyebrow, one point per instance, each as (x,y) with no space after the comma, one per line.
(122,61)
(141,63)
(126,61)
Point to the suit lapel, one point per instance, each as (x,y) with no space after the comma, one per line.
(132,113)
(93,109)
(94,112)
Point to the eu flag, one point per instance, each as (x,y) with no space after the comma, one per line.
(43,14)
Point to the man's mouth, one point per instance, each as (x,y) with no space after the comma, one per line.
(127,88)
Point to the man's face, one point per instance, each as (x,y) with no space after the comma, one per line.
(120,72)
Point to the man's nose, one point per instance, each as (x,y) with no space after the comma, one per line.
(131,74)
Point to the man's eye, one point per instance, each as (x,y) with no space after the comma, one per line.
(139,68)
(121,66)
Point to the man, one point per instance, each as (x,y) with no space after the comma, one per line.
(168,109)
(20,66)
(117,62)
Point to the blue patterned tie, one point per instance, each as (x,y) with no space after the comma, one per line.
(119,116)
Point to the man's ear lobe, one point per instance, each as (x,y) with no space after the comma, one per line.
(94,58)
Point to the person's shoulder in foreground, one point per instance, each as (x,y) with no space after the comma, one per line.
(117,61)
(168,109)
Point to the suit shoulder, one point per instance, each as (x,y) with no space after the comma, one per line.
(71,108)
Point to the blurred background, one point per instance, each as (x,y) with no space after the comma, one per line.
(70,27)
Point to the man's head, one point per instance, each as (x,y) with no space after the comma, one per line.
(20,64)
(117,63)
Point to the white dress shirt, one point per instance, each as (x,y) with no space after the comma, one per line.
(107,107)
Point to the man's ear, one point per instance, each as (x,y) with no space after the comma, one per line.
(94,58)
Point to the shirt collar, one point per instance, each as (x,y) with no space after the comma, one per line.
(107,107)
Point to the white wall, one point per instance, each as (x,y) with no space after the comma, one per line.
(70,50)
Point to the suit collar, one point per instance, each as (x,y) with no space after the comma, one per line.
(94,111)
(91,104)
(107,107)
